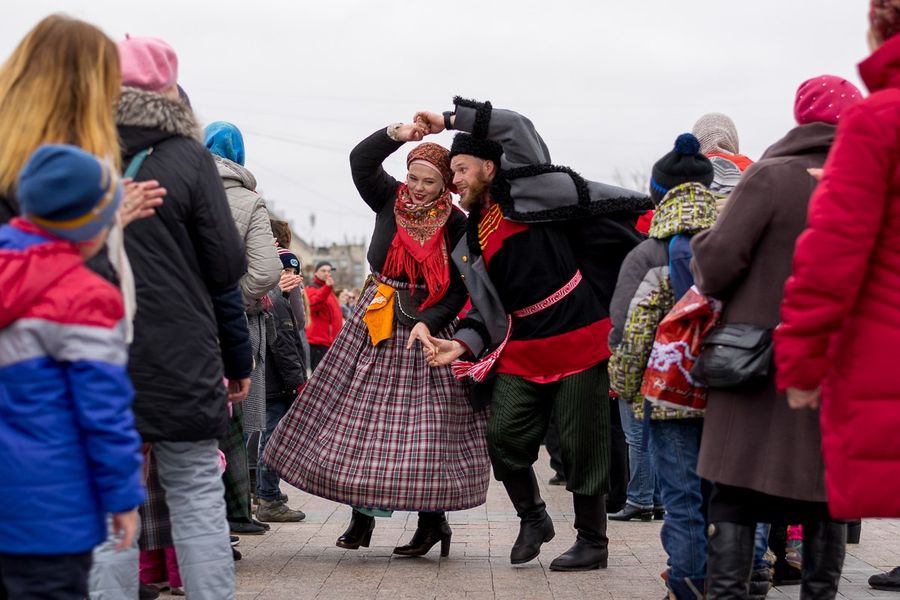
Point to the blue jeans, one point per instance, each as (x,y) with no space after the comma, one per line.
(761,547)
(267,479)
(674,448)
(643,486)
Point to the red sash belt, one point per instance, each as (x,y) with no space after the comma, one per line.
(478,370)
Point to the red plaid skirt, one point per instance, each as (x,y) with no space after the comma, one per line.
(376,427)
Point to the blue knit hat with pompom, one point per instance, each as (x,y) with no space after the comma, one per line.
(68,192)
(684,164)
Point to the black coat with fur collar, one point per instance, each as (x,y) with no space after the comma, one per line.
(187,260)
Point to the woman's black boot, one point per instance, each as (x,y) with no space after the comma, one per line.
(783,573)
(359,532)
(760,583)
(729,560)
(854,530)
(432,528)
(824,544)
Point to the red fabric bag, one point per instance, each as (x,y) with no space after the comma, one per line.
(667,379)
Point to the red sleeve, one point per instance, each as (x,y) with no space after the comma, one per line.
(318,295)
(845,216)
(337,317)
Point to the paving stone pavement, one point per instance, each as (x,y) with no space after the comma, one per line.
(300,560)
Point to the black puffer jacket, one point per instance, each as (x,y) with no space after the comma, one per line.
(285,367)
(187,261)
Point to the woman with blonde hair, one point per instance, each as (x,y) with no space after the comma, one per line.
(60,85)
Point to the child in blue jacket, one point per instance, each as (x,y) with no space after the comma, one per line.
(69,452)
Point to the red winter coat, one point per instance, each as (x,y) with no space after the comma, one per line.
(841,312)
(325,316)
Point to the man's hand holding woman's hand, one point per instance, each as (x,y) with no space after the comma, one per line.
(412,132)
(431,122)
(419,332)
(441,352)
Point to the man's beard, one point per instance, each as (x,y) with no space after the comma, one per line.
(476,196)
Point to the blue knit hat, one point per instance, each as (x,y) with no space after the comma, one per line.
(225,140)
(289,260)
(68,192)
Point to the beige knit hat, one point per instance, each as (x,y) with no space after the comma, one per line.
(716,133)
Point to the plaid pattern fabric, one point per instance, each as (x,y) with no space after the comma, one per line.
(376,427)
(237,472)
(254,406)
(156,530)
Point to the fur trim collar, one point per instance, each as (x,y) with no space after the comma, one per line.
(140,108)
(586,206)
(483,111)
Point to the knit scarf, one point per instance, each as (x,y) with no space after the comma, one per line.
(418,251)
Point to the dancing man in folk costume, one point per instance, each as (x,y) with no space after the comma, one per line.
(376,427)
(540,261)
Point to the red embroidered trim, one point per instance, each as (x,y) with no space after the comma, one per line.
(478,370)
(551,299)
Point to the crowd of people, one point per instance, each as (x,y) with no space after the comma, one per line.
(709,353)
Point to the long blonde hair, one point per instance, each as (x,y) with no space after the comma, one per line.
(60,85)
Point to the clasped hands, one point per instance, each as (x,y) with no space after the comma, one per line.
(423,123)
(438,352)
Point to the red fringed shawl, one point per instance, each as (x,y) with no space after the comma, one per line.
(418,251)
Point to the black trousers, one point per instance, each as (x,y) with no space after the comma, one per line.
(316,354)
(551,441)
(521,414)
(618,455)
(30,577)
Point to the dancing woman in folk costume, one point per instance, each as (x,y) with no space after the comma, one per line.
(376,427)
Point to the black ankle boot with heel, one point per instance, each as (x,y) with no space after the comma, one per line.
(359,532)
(432,528)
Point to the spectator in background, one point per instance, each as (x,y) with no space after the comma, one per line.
(299,300)
(31,81)
(344,298)
(248,209)
(648,287)
(766,459)
(720,143)
(67,432)
(188,260)
(830,347)
(285,376)
(326,318)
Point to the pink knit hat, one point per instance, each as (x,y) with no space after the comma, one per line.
(822,99)
(147,63)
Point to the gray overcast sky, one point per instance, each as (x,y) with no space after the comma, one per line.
(608,84)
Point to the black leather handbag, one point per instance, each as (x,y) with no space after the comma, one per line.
(734,354)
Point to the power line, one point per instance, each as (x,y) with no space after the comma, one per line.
(298,141)
(349,212)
